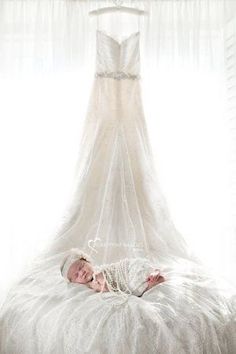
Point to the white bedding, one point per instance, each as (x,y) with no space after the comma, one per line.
(185,314)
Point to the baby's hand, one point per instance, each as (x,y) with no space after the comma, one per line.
(99,284)
(95,285)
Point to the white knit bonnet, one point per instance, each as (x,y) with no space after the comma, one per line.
(73,255)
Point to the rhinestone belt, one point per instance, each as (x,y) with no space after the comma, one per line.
(117,75)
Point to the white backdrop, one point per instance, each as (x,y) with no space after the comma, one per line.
(47,53)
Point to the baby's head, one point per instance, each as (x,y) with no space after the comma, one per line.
(77,267)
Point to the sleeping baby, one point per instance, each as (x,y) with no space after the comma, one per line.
(129,275)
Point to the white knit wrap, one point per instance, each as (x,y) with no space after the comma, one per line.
(73,255)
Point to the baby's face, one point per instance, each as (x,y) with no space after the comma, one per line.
(80,271)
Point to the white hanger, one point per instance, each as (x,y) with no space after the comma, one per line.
(118,7)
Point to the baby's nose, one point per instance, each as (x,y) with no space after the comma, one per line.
(82,272)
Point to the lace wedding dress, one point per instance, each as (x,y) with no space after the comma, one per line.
(117,199)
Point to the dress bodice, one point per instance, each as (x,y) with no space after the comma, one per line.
(117,59)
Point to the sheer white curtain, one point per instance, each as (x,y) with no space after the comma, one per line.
(47,57)
(230,75)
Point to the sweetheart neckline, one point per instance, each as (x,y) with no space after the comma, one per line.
(115,40)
